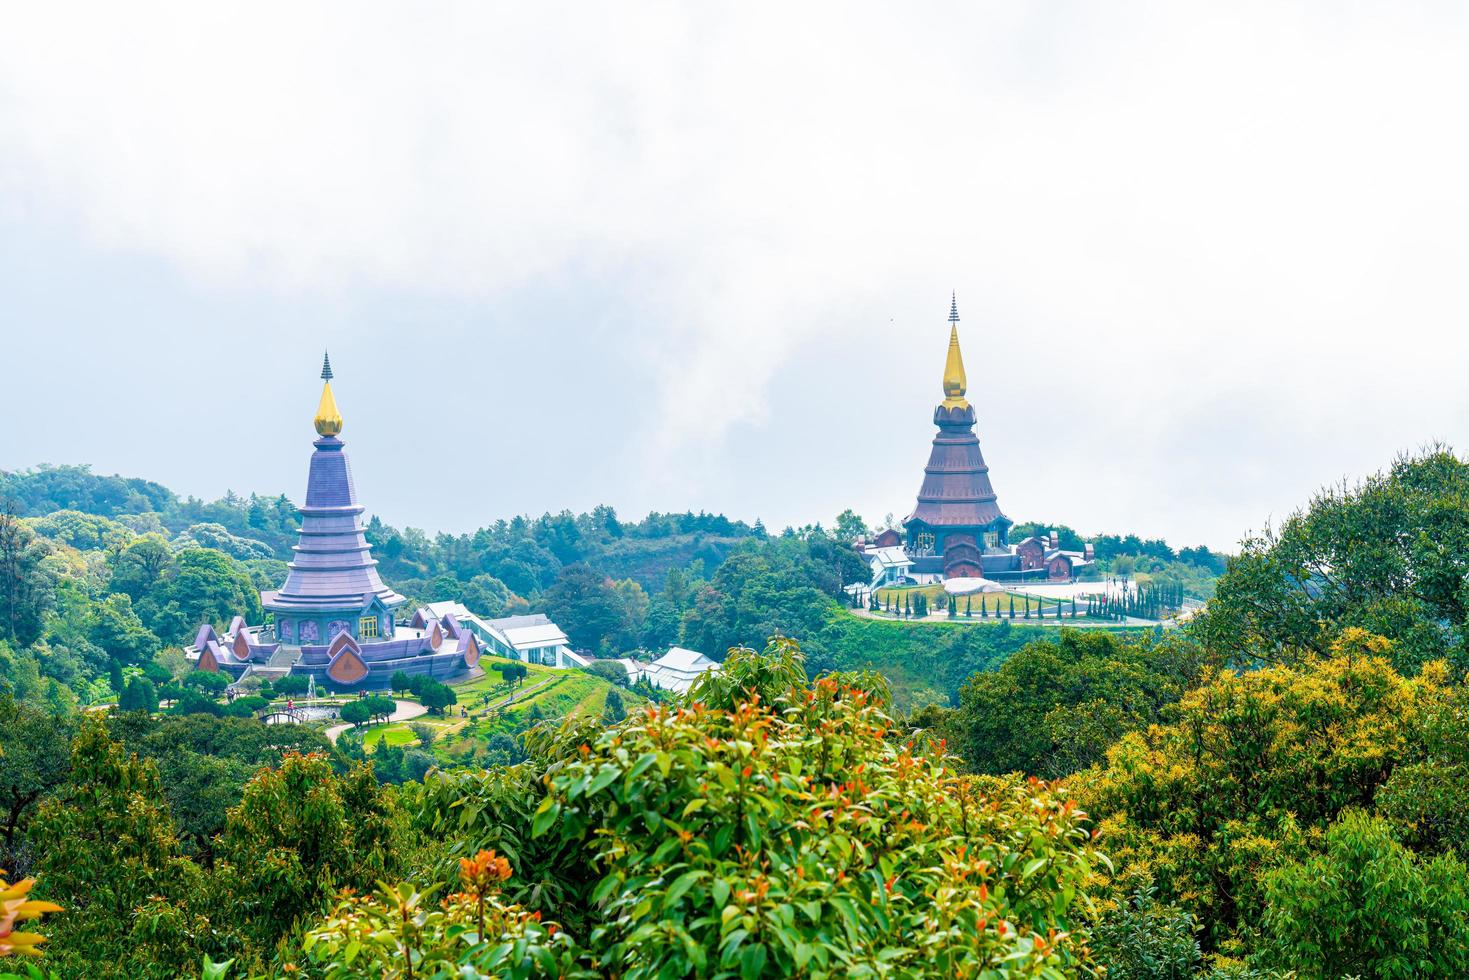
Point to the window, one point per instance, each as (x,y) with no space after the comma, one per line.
(367,627)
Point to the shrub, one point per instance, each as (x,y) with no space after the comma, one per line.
(473,933)
(794,835)
(192,702)
(610,671)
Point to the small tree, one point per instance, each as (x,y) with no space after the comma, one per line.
(356,713)
(400,681)
(424,733)
(613,710)
(139,695)
(436,697)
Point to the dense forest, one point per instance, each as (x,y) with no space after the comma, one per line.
(1276,789)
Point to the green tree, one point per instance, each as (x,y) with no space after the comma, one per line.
(106,845)
(207,682)
(1389,555)
(356,713)
(610,671)
(139,695)
(612,709)
(848,527)
(35,758)
(1057,704)
(141,565)
(300,833)
(485,596)
(588,606)
(1367,907)
(202,586)
(436,697)
(25,588)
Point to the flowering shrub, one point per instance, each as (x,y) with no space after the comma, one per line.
(804,839)
(401,933)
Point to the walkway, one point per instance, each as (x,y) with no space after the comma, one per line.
(406,711)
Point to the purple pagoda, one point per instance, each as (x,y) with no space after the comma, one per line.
(333,617)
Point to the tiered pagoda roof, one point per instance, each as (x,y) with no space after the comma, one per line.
(333,568)
(956,489)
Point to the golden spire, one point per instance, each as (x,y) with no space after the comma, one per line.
(955,384)
(328,420)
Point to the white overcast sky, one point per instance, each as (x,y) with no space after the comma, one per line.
(699,256)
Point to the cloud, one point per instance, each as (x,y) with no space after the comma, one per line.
(1150,212)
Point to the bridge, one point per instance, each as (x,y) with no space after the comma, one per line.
(286,716)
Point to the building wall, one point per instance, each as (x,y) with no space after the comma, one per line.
(320,629)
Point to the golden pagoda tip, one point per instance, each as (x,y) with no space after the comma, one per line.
(328,420)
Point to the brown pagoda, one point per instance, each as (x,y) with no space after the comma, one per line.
(958,520)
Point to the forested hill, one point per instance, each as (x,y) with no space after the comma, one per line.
(525,553)
(115,569)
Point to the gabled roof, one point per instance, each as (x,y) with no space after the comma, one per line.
(895,557)
(688,661)
(677,669)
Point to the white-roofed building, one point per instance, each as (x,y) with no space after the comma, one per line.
(889,565)
(532,639)
(676,670)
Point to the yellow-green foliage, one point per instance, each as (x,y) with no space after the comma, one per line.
(1251,775)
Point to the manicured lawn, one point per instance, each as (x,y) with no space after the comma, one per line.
(397,733)
(938,601)
(996,601)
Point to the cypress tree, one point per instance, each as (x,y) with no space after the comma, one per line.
(968,607)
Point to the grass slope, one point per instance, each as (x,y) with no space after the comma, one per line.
(924,662)
(547,692)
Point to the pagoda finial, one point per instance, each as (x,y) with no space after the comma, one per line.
(328,420)
(955,383)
